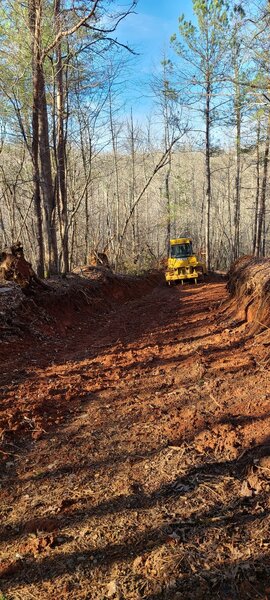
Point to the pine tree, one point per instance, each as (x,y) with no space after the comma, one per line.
(202,47)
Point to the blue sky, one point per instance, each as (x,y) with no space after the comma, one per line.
(148,32)
(152,25)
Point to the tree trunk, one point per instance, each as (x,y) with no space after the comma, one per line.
(207,174)
(116,173)
(168,204)
(34,25)
(132,184)
(236,245)
(46,178)
(257,189)
(60,143)
(261,213)
(3,236)
(41,146)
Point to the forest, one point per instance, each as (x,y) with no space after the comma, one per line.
(79,173)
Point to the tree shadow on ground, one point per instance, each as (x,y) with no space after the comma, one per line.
(93,466)
(31,570)
(179,486)
(236,580)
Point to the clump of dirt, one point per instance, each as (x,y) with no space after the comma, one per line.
(249,287)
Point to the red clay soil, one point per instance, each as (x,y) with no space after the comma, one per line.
(249,287)
(136,452)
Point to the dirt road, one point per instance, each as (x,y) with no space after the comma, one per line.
(137,456)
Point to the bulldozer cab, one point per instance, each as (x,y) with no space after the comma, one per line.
(182,250)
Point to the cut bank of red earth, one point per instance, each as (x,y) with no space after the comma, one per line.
(57,306)
(156,484)
(249,286)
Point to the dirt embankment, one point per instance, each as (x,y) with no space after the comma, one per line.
(249,287)
(57,307)
(136,447)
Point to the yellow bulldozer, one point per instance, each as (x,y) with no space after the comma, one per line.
(183,264)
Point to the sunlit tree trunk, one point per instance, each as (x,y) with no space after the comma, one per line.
(257,188)
(60,142)
(207,174)
(40,133)
(34,25)
(260,243)
(132,184)
(237,206)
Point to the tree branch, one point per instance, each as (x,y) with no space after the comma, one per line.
(161,163)
(72,30)
(83,23)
